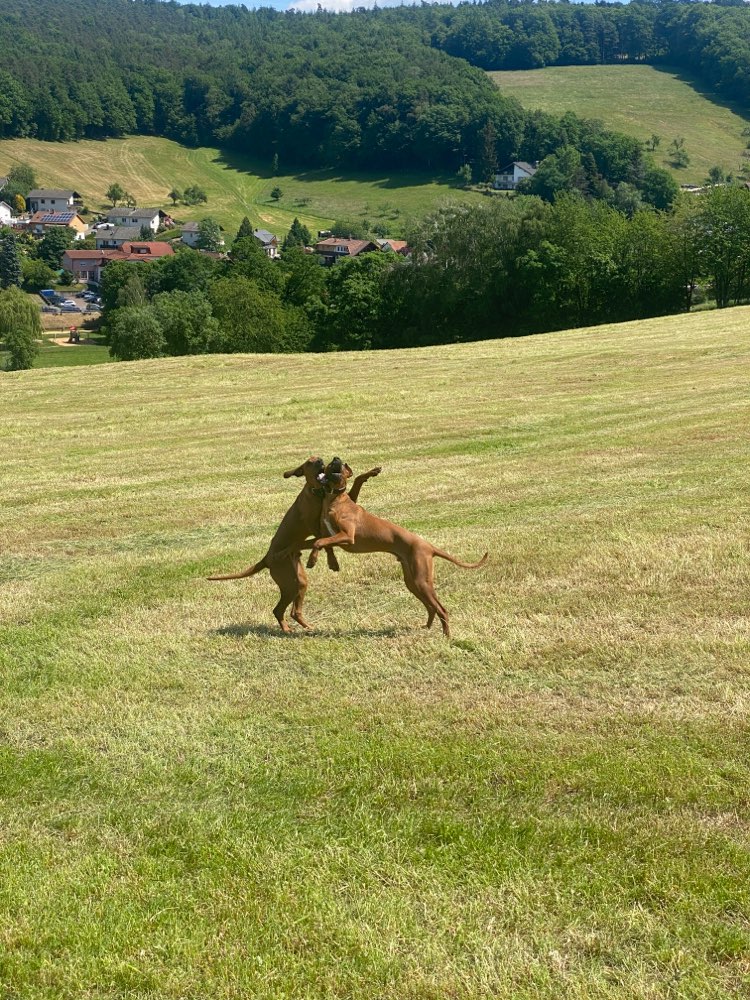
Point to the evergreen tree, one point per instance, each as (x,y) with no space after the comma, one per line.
(10,261)
(487,159)
(245,230)
(298,236)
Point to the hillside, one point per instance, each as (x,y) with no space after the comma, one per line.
(640,101)
(149,167)
(551,804)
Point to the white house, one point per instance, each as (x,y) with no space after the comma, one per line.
(268,241)
(52,200)
(114,236)
(135,217)
(508,177)
(190,234)
(6,214)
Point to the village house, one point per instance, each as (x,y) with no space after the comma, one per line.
(268,242)
(87,265)
(41,222)
(508,177)
(111,237)
(51,200)
(154,218)
(394,246)
(336,248)
(190,234)
(6,213)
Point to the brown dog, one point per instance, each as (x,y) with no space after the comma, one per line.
(352,527)
(301,521)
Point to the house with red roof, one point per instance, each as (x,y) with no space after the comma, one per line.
(337,248)
(87,265)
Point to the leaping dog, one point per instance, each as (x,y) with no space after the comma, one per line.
(355,530)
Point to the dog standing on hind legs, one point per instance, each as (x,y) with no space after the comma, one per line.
(355,530)
(301,521)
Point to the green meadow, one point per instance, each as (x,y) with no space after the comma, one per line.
(149,167)
(641,101)
(552,804)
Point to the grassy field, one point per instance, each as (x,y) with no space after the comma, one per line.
(640,101)
(552,804)
(149,167)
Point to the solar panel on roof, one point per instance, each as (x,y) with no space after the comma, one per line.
(58,217)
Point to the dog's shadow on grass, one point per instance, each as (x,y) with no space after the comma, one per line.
(268,632)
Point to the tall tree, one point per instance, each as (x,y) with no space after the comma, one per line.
(245,230)
(209,235)
(21,180)
(487,154)
(54,243)
(298,235)
(10,260)
(20,328)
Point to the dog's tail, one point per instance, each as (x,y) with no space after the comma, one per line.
(457,562)
(250,571)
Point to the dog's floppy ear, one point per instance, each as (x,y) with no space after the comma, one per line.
(299,471)
(348,468)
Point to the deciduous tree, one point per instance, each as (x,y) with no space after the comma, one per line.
(20,328)
(209,235)
(114,193)
(135,334)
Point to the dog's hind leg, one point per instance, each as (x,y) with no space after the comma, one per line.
(425,592)
(301,591)
(285,577)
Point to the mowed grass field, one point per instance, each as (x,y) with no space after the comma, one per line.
(640,101)
(149,167)
(552,804)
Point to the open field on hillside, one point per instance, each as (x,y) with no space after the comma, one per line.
(552,804)
(150,167)
(640,101)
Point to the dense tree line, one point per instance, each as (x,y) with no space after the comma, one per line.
(366,90)
(507,267)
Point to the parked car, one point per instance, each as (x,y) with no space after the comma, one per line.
(51,309)
(70,307)
(90,296)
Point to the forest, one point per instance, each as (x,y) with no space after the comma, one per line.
(376,89)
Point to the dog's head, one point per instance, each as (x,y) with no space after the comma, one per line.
(313,470)
(336,475)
